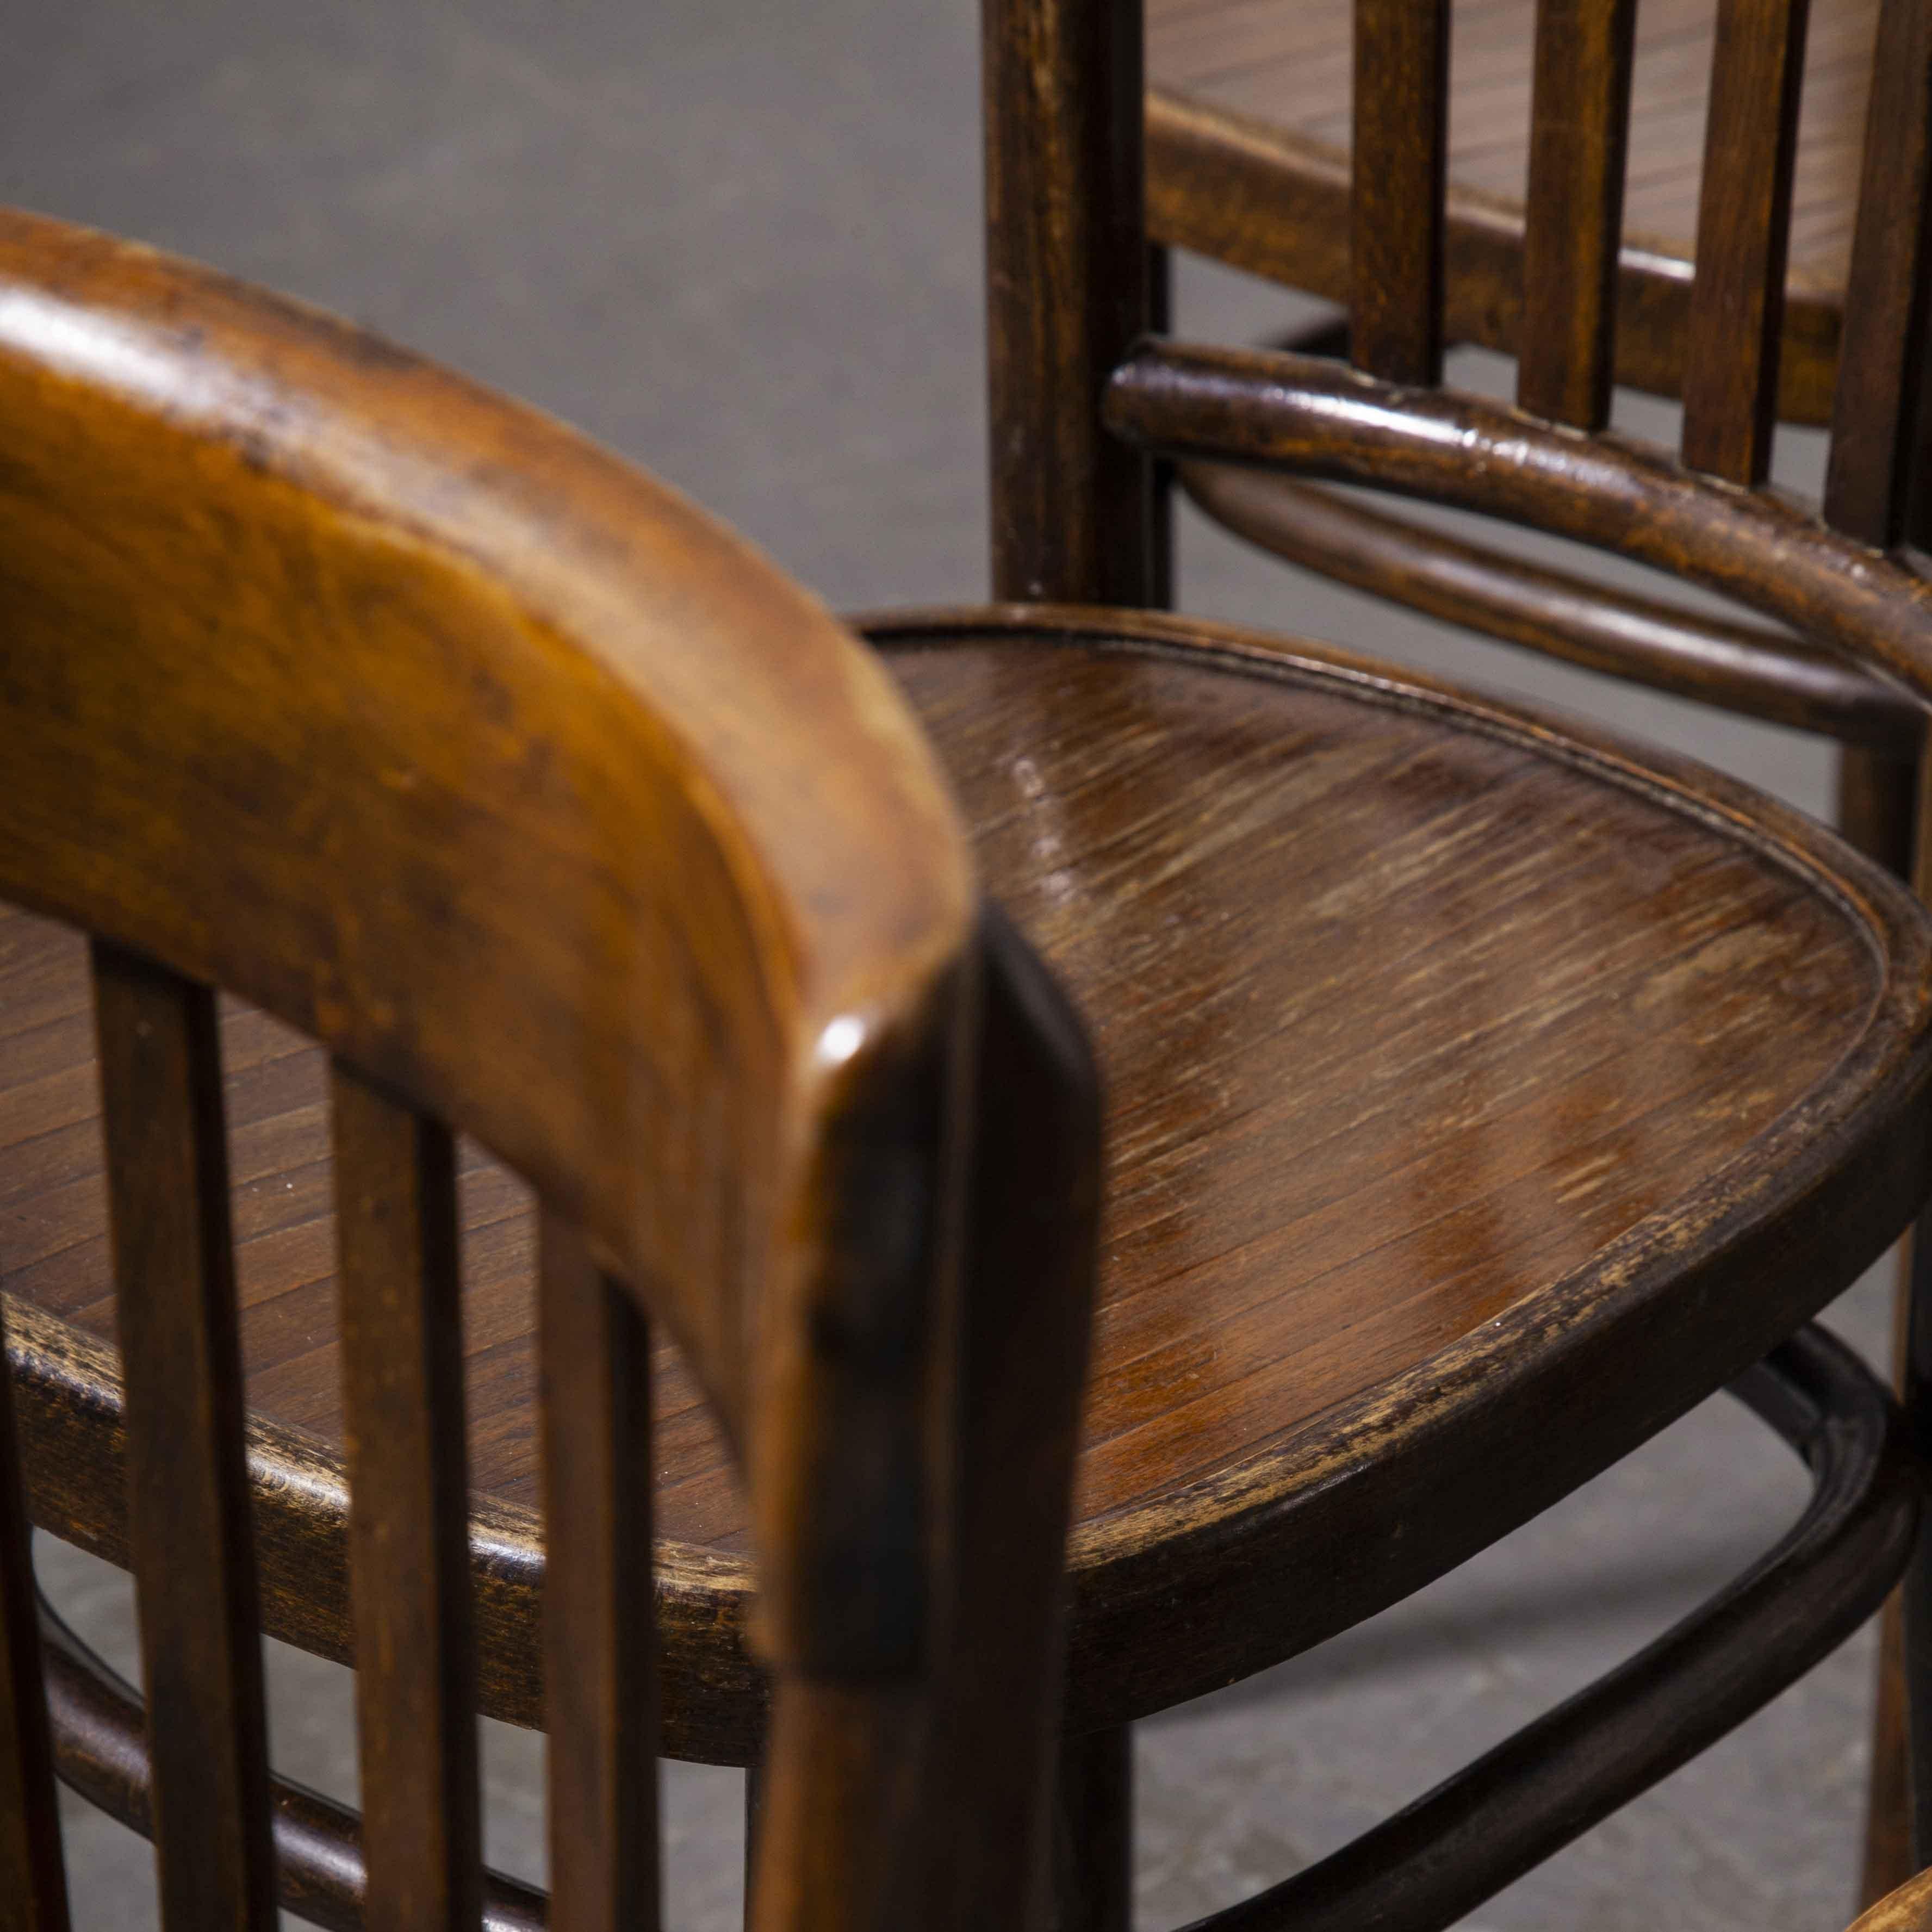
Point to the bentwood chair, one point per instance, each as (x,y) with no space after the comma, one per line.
(1251,151)
(1481,1093)
(1249,135)
(556,817)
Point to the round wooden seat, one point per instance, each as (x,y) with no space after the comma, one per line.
(1455,1066)
(1243,81)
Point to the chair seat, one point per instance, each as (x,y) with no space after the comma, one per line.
(1456,1064)
(1286,64)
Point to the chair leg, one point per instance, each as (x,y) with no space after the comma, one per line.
(755,1807)
(1876,798)
(1160,321)
(1917,1588)
(1888,1861)
(1093,1833)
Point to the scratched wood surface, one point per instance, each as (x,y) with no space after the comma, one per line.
(1379,1077)
(1289,65)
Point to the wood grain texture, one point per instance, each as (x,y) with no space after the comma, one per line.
(600,1678)
(167,1174)
(1888,1862)
(1399,178)
(1743,219)
(1877,453)
(405,1449)
(1760,548)
(267,460)
(523,793)
(1066,294)
(569,663)
(1249,133)
(1747,668)
(1579,125)
(1526,1140)
(1878,431)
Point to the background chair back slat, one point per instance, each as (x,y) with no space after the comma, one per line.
(600,1679)
(1400,179)
(33,1877)
(1067,279)
(408,1516)
(1580,129)
(188,1528)
(1878,428)
(1744,232)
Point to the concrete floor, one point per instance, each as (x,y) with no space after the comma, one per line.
(739,243)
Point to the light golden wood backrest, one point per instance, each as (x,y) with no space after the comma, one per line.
(561,818)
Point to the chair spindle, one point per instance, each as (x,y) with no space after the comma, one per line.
(1877,422)
(600,1678)
(1400,178)
(1579,128)
(1744,231)
(189,1533)
(1066,298)
(402,1355)
(33,1878)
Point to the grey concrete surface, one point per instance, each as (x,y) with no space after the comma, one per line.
(739,243)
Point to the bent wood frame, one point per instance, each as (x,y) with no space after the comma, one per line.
(561,819)
(1497,1817)
(1390,428)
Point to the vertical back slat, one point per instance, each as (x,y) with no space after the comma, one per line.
(1399,177)
(188,1528)
(1066,294)
(1579,128)
(1744,228)
(1877,424)
(33,1879)
(600,1681)
(402,1366)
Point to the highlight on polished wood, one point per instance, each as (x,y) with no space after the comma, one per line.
(406,717)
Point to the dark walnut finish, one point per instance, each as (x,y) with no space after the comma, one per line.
(1236,189)
(1441,1051)
(1249,133)
(552,817)
(1574,198)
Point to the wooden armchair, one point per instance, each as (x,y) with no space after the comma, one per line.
(558,819)
(1480,1093)
(1252,152)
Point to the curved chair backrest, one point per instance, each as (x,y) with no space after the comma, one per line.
(562,820)
(1069,313)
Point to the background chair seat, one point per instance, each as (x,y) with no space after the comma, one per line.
(1230,74)
(1448,1053)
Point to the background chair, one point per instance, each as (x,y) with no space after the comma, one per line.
(458,746)
(1249,163)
